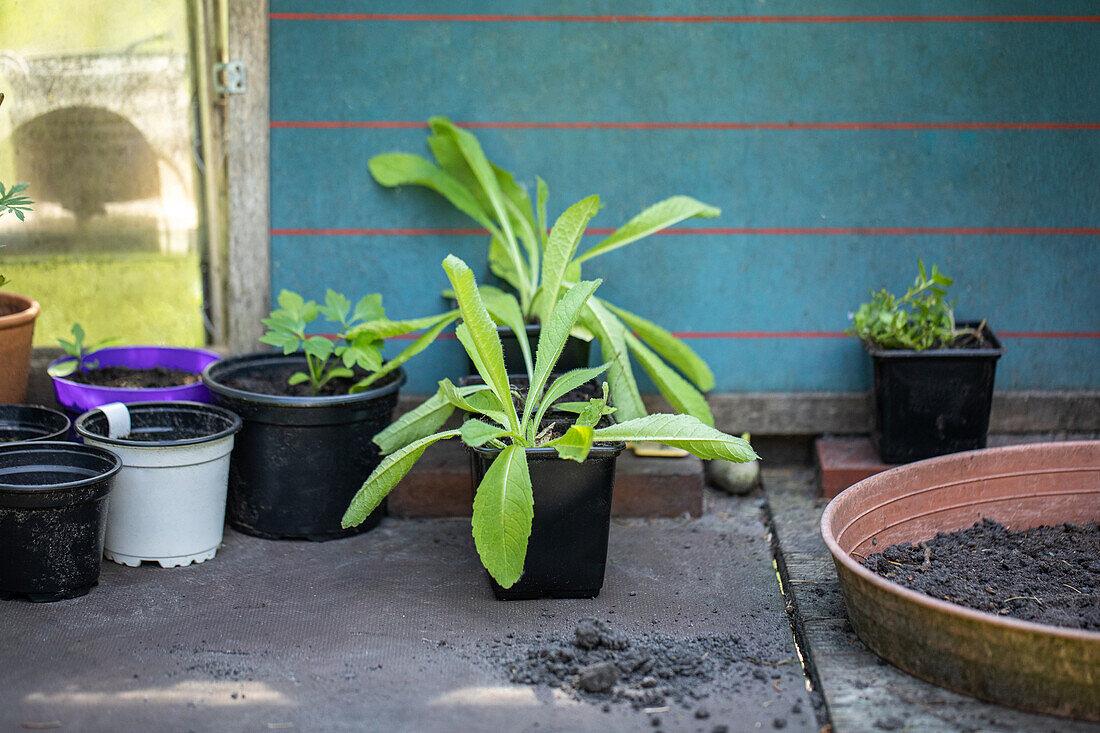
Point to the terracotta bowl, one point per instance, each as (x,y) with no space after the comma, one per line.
(1025,665)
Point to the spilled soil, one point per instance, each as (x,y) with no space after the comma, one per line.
(1049,575)
(600,664)
(126,377)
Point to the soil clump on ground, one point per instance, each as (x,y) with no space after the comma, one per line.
(1049,575)
(130,378)
(600,664)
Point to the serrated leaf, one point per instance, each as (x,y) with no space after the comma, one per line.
(660,215)
(369,308)
(502,517)
(422,342)
(421,421)
(387,474)
(337,306)
(562,385)
(680,431)
(670,348)
(384,328)
(288,342)
(504,308)
(318,347)
(680,393)
(503,265)
(575,444)
(561,246)
(611,334)
(481,402)
(291,301)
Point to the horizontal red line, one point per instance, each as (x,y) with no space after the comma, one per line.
(719,231)
(701,19)
(408,124)
(731,335)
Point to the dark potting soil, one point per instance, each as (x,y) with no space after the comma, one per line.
(1049,575)
(272,380)
(127,377)
(600,664)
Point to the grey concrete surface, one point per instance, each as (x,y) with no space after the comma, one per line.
(393,631)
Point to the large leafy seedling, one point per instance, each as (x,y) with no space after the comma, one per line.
(504,505)
(540,266)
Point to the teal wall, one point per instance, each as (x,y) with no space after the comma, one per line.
(840,147)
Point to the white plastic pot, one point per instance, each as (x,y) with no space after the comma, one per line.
(168,504)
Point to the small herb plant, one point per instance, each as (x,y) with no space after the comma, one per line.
(357,342)
(13,201)
(538,267)
(919,320)
(503,504)
(80,353)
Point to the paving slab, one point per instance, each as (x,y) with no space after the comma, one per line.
(397,630)
(861,691)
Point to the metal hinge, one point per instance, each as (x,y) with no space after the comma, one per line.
(229,78)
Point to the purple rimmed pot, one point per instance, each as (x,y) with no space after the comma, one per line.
(78,398)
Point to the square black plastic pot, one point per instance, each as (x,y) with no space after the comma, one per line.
(934,402)
(567,550)
(298,461)
(574,356)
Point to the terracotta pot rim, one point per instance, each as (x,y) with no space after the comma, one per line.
(912,596)
(27,314)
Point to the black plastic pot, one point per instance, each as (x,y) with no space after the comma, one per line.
(929,403)
(53,515)
(30,422)
(567,551)
(298,461)
(573,356)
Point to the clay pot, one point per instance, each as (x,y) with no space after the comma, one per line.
(17,314)
(1026,665)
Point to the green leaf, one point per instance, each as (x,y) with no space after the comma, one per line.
(555,332)
(384,328)
(288,342)
(611,334)
(291,301)
(543,193)
(69,347)
(561,246)
(575,444)
(482,332)
(369,308)
(297,378)
(337,307)
(503,265)
(680,431)
(670,348)
(476,433)
(481,402)
(421,343)
(660,215)
(423,420)
(63,369)
(503,513)
(679,392)
(505,309)
(318,347)
(562,385)
(383,478)
(403,169)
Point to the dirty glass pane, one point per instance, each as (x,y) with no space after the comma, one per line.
(99,120)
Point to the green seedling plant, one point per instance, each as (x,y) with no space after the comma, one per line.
(539,267)
(359,337)
(921,319)
(80,353)
(504,505)
(13,201)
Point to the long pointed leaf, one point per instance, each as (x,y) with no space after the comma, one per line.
(385,329)
(660,215)
(383,478)
(670,348)
(405,169)
(409,352)
(482,332)
(561,246)
(504,508)
(611,334)
(481,402)
(679,392)
(505,308)
(564,384)
(421,421)
(476,433)
(680,431)
(552,338)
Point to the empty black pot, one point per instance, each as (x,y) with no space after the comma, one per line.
(298,461)
(52,518)
(930,403)
(31,422)
(567,551)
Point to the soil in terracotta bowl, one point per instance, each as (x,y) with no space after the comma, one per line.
(1048,575)
(272,380)
(130,378)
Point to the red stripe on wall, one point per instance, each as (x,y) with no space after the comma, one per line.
(408,124)
(719,231)
(735,335)
(700,19)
